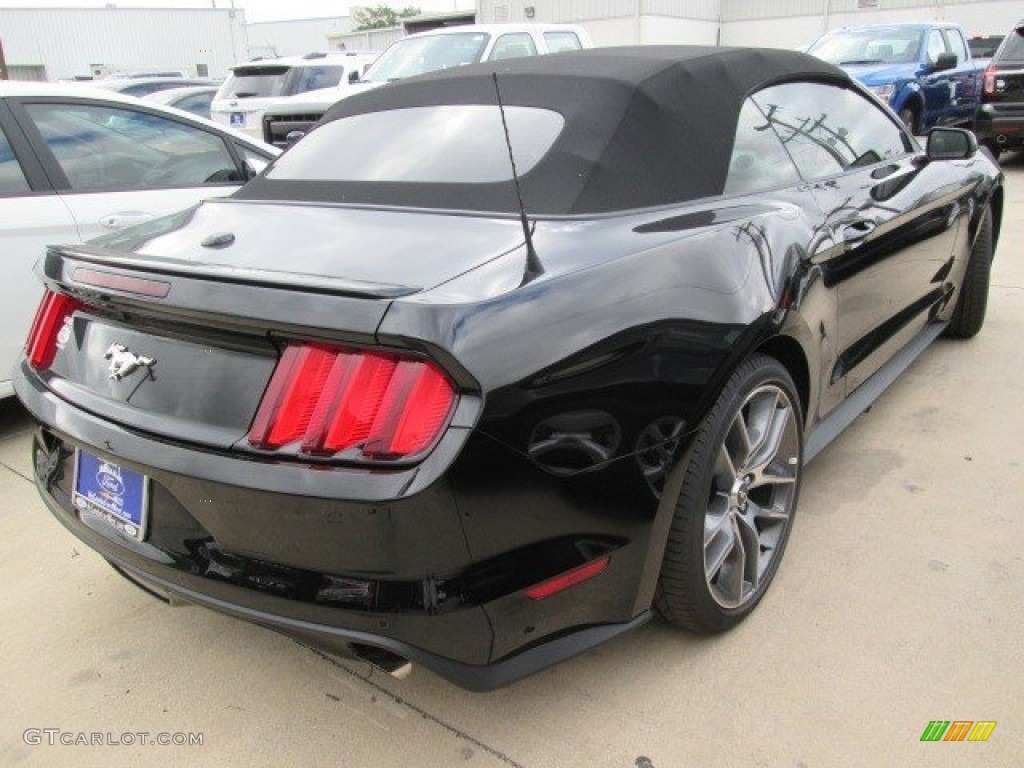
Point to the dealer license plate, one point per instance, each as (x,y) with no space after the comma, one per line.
(115,494)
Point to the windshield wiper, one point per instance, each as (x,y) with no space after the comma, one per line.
(860,61)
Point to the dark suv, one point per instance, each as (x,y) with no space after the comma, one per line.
(1000,123)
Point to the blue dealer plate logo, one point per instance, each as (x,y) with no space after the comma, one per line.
(112,492)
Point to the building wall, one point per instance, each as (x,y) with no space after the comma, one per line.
(295,38)
(617,22)
(67,42)
(666,30)
(771,23)
(368,40)
(793,23)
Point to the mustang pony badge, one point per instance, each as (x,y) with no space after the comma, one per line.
(124,363)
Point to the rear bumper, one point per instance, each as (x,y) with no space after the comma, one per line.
(390,571)
(238,602)
(1001,124)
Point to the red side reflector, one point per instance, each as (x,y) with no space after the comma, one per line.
(54,310)
(568,579)
(334,399)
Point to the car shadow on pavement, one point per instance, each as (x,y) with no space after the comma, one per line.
(1011,159)
(14,419)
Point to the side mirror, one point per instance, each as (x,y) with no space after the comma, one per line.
(945,62)
(353,76)
(951,144)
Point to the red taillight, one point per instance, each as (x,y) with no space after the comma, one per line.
(334,399)
(990,80)
(568,579)
(54,310)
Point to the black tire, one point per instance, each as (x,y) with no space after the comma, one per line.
(686,596)
(969,313)
(993,148)
(909,118)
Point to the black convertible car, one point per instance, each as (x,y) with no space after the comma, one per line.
(397,399)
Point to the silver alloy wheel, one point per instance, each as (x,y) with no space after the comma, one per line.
(753,489)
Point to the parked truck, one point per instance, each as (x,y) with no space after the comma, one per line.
(418,54)
(1000,123)
(924,71)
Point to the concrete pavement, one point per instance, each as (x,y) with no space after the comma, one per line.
(901,600)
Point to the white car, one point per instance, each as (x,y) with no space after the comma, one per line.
(143,86)
(425,52)
(195,99)
(252,87)
(76,163)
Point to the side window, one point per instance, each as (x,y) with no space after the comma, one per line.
(513,47)
(12,178)
(104,148)
(562,41)
(314,78)
(828,129)
(936,46)
(197,104)
(957,45)
(758,159)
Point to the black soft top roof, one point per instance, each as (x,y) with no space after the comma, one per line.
(644,126)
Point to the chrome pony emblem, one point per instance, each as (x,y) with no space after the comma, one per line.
(124,363)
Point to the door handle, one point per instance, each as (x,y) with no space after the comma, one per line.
(124,219)
(857,231)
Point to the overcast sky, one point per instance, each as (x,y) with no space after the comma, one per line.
(255,10)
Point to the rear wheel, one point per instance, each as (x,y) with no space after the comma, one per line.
(969,313)
(735,509)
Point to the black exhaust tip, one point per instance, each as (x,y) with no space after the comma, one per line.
(384,660)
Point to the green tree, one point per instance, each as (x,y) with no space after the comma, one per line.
(380,16)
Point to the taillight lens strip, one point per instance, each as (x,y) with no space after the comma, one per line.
(54,310)
(989,80)
(333,400)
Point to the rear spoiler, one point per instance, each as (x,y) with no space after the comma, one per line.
(222,296)
(117,264)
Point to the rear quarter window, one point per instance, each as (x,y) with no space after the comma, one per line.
(829,130)
(255,82)
(314,78)
(558,42)
(514,46)
(759,160)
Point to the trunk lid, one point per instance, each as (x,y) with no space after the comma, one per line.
(212,318)
(318,247)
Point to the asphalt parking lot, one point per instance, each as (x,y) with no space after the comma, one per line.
(901,601)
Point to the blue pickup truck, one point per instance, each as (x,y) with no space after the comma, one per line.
(923,70)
